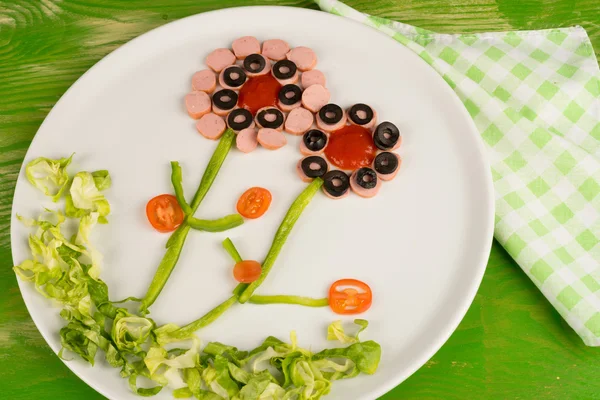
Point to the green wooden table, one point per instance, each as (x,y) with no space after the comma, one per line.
(511,345)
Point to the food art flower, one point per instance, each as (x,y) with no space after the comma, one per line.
(262,93)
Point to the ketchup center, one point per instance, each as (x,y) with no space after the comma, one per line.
(351,147)
(258,92)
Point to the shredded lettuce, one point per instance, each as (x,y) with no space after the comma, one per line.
(49,176)
(335,331)
(131,332)
(85,197)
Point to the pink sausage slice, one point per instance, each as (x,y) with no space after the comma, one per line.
(331,127)
(315,97)
(226,86)
(211,126)
(271,139)
(246,140)
(301,173)
(219,59)
(270,117)
(197,104)
(313,77)
(204,81)
(389,177)
(275,49)
(298,121)
(307,152)
(288,81)
(369,125)
(304,58)
(245,46)
(288,108)
(336,198)
(264,71)
(361,191)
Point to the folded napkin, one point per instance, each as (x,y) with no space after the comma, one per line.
(535,98)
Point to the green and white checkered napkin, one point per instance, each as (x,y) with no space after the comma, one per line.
(535,98)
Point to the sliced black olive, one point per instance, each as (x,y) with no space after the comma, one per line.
(238,126)
(331,113)
(315,140)
(386,135)
(366,178)
(386,163)
(254,63)
(336,183)
(230,72)
(353,114)
(225,99)
(309,163)
(284,69)
(277,121)
(296,94)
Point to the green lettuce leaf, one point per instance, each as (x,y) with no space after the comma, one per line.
(85,197)
(49,176)
(365,355)
(335,331)
(130,332)
(102,179)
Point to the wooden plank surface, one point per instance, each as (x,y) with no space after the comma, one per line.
(511,345)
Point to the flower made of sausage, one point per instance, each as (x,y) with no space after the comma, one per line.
(261,91)
(349,151)
(266,91)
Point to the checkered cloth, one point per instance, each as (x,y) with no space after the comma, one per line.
(535,98)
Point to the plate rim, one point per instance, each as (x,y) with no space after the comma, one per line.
(488,190)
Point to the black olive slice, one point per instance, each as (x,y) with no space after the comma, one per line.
(238,126)
(315,140)
(386,163)
(314,166)
(386,135)
(284,69)
(366,178)
(353,114)
(331,113)
(254,63)
(336,183)
(296,94)
(277,121)
(225,99)
(230,72)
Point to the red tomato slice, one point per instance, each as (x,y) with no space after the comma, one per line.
(164,213)
(350,296)
(254,202)
(246,271)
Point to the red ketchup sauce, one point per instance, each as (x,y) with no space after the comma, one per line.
(258,92)
(351,147)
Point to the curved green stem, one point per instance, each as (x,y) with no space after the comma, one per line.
(177,239)
(230,248)
(284,299)
(282,233)
(216,225)
(176,180)
(205,320)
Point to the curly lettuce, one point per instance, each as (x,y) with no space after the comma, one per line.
(49,176)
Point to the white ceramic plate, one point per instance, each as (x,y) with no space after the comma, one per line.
(422,243)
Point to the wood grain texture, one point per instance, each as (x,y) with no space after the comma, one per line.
(511,344)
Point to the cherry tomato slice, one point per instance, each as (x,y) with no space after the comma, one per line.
(254,202)
(350,296)
(246,271)
(164,213)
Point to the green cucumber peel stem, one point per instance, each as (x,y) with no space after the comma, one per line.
(177,181)
(285,299)
(282,234)
(177,239)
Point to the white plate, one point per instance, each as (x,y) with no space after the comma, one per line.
(422,243)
